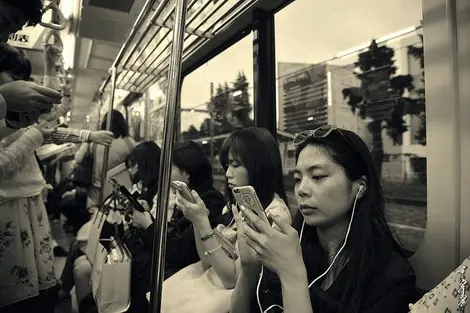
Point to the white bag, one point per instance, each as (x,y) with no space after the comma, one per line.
(96,226)
(111,282)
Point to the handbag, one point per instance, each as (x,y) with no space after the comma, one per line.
(450,296)
(95,228)
(111,277)
(83,173)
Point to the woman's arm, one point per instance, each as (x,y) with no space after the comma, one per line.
(81,153)
(68,135)
(223,265)
(245,290)
(295,292)
(200,249)
(11,157)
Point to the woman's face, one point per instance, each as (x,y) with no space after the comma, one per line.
(179,174)
(323,191)
(236,174)
(133,169)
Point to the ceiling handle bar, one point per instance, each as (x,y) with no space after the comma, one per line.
(138,22)
(206,18)
(61,23)
(146,10)
(151,23)
(221,3)
(171,110)
(148,27)
(191,19)
(128,84)
(161,6)
(232,13)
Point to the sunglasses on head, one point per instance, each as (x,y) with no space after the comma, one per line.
(320,132)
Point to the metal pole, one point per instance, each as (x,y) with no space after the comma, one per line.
(146,114)
(171,109)
(104,168)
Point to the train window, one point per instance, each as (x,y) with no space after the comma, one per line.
(366,55)
(217,98)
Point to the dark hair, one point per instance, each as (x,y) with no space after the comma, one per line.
(369,229)
(119,125)
(190,157)
(31,9)
(258,151)
(14,62)
(147,157)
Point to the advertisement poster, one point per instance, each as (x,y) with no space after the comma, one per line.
(30,37)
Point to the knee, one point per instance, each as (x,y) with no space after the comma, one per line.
(82,267)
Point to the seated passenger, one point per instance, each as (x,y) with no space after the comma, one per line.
(190,165)
(250,157)
(340,255)
(143,164)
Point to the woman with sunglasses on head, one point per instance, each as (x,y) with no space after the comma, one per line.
(340,255)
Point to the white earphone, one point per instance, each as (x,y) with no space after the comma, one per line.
(361,188)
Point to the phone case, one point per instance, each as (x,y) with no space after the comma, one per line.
(227,246)
(183,189)
(246,196)
(126,193)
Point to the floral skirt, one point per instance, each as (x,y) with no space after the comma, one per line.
(26,255)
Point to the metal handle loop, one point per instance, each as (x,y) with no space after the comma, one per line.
(55,9)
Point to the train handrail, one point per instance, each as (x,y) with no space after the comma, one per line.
(61,24)
(58,41)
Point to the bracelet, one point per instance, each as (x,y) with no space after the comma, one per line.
(212,250)
(208,236)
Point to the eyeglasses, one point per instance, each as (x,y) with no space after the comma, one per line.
(320,132)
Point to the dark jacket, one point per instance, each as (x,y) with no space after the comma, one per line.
(390,288)
(181,248)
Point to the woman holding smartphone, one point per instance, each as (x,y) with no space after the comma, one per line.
(249,156)
(190,166)
(340,255)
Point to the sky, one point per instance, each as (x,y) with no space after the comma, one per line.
(307,31)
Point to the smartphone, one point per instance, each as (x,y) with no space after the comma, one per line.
(183,189)
(126,193)
(227,246)
(246,196)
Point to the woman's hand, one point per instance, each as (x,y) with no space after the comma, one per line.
(46,132)
(248,256)
(171,206)
(278,251)
(195,212)
(102,137)
(142,220)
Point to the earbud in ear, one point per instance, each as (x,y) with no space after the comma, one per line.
(361,190)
